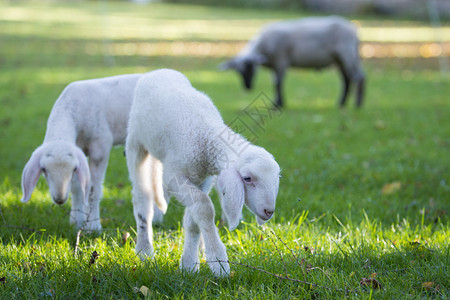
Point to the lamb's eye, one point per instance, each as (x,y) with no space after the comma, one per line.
(43,170)
(248,179)
(75,169)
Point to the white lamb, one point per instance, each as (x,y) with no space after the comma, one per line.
(89,118)
(184,131)
(315,42)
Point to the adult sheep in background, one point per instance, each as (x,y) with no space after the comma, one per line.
(315,42)
(88,119)
(180,127)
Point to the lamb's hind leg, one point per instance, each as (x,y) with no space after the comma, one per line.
(139,168)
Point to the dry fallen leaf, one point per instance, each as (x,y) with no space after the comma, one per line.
(94,257)
(390,188)
(371,282)
(309,250)
(380,124)
(26,266)
(305,264)
(427,285)
(125,236)
(144,290)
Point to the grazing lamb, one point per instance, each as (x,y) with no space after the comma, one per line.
(89,116)
(315,42)
(184,131)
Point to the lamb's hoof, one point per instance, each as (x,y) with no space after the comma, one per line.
(144,252)
(77,220)
(190,265)
(93,226)
(220,268)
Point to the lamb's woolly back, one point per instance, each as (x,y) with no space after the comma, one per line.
(180,115)
(87,109)
(172,98)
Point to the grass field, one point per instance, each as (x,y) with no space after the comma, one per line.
(363,205)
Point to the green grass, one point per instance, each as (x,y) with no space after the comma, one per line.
(364,194)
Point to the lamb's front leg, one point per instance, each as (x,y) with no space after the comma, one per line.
(199,218)
(97,168)
(98,161)
(190,260)
(77,213)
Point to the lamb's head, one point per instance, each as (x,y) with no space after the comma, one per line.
(246,65)
(253,179)
(58,162)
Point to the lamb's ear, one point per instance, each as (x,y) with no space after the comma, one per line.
(83,174)
(30,174)
(232,196)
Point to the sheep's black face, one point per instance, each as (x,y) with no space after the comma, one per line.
(247,72)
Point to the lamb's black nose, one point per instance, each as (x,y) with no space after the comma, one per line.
(268,213)
(59,201)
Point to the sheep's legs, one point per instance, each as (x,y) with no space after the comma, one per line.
(139,168)
(279,75)
(346,87)
(360,90)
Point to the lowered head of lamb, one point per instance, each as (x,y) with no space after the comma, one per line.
(60,162)
(252,179)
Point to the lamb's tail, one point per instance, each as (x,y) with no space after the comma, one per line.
(157,184)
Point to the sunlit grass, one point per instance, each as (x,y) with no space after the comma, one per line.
(364,193)
(107,20)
